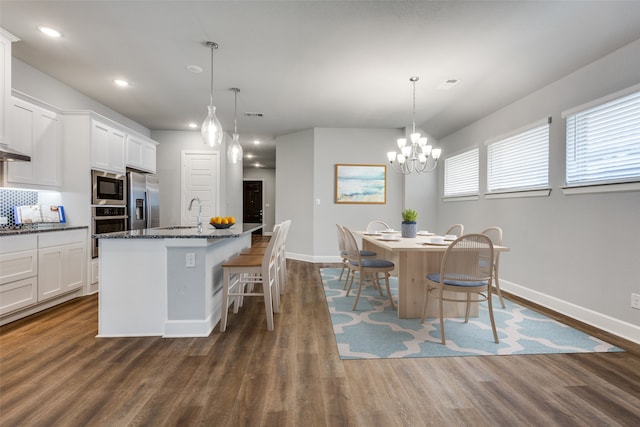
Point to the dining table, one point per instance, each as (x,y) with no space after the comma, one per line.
(414,258)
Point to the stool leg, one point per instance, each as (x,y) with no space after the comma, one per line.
(225,301)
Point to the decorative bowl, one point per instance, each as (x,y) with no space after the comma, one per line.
(222,226)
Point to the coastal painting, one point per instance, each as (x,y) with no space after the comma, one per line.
(361,184)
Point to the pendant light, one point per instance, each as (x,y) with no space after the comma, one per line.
(211,129)
(234,152)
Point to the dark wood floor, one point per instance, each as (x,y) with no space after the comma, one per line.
(53,371)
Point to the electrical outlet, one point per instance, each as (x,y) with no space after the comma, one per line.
(191,260)
(635,301)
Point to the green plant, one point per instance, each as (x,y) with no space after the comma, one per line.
(409,215)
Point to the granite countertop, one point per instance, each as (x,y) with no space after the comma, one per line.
(39,228)
(183,232)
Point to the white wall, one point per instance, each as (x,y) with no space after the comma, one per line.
(578,254)
(268,177)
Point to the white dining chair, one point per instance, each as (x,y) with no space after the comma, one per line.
(456,229)
(495,234)
(375,226)
(466,268)
(371,267)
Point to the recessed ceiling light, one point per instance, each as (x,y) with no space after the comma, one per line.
(257,165)
(448,84)
(121,83)
(193,125)
(49,32)
(253,114)
(194,69)
(249,156)
(256,142)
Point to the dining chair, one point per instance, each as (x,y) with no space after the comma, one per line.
(466,268)
(495,234)
(457,229)
(242,274)
(374,226)
(364,253)
(371,267)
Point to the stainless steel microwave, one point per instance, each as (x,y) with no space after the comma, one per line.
(108,188)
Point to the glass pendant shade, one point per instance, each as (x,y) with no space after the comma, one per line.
(211,129)
(234,152)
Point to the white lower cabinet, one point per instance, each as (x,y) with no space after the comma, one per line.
(18,272)
(61,262)
(36,268)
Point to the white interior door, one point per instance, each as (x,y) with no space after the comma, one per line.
(201,179)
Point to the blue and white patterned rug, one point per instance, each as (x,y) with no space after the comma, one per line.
(374,331)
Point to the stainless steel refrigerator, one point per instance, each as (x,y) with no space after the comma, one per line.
(143,204)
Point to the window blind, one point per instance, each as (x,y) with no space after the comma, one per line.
(603,143)
(519,162)
(461,174)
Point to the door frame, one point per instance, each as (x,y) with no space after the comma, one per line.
(264,232)
(183,155)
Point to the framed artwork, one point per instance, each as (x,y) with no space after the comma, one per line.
(361,184)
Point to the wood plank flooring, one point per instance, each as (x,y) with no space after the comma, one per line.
(54,372)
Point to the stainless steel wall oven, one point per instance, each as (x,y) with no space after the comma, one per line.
(107,219)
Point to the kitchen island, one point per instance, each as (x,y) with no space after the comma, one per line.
(165,281)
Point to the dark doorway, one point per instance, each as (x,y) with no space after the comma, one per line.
(252,203)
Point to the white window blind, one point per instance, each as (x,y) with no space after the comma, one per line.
(603,143)
(519,162)
(461,174)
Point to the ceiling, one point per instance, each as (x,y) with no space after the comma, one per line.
(305,64)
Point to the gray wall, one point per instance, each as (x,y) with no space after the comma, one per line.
(168,158)
(295,191)
(268,177)
(575,253)
(33,82)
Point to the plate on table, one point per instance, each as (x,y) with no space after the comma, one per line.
(425,233)
(389,240)
(390,231)
(434,244)
(374,233)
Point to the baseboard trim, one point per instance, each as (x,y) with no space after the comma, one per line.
(606,323)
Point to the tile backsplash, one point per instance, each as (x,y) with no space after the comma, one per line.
(11,197)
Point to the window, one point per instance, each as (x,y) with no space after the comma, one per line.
(603,142)
(519,161)
(461,174)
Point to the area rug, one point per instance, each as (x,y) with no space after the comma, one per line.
(374,331)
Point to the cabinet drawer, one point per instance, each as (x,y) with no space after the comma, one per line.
(18,294)
(57,238)
(10,244)
(18,265)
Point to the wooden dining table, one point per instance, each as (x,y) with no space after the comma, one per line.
(414,258)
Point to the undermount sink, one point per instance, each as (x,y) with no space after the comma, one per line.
(177,227)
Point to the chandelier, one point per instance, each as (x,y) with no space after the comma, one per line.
(234,152)
(211,129)
(414,157)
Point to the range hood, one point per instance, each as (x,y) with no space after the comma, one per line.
(8,154)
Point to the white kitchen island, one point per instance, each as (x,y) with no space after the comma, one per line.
(165,281)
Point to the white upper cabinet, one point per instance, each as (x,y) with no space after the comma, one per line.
(35,131)
(141,153)
(5,84)
(107,147)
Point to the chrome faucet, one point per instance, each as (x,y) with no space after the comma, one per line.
(197,199)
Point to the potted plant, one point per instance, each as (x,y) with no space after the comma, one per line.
(409,225)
